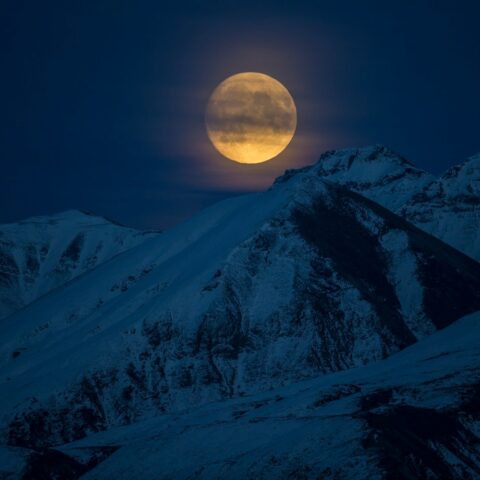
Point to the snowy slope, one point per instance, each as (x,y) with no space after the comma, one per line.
(447,207)
(256,292)
(40,254)
(413,415)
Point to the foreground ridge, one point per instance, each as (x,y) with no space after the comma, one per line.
(414,415)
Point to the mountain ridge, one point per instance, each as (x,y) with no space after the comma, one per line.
(448,206)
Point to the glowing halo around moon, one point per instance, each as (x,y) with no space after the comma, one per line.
(250,117)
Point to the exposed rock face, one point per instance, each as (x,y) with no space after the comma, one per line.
(40,254)
(254,293)
(413,415)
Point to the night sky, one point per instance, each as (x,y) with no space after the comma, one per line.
(103,102)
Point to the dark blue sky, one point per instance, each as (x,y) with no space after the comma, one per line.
(102,102)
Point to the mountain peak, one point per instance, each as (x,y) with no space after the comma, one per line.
(370,163)
(376,172)
(66,216)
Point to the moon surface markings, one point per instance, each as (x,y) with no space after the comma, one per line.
(250,117)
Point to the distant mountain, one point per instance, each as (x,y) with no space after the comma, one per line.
(447,207)
(40,254)
(256,292)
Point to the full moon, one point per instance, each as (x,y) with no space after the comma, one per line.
(250,117)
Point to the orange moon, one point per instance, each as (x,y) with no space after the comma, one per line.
(250,117)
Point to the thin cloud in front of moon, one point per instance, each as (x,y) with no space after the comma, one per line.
(251,117)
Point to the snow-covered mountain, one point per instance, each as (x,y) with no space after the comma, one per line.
(375,171)
(447,207)
(40,254)
(414,415)
(255,302)
(253,293)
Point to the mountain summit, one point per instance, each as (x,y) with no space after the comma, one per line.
(375,171)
